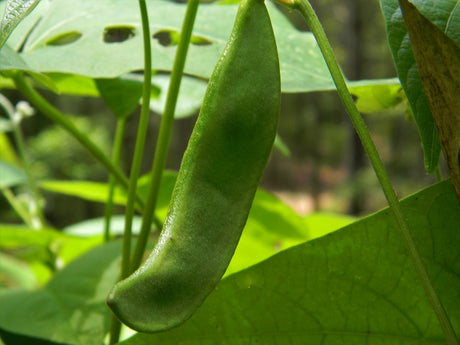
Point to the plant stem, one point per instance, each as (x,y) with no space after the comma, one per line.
(164,135)
(115,329)
(137,159)
(55,115)
(140,140)
(118,142)
(37,220)
(17,206)
(313,22)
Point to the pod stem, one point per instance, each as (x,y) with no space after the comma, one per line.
(137,159)
(313,22)
(165,131)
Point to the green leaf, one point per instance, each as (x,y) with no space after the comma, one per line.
(11,61)
(7,152)
(71,307)
(95,227)
(88,55)
(15,273)
(190,96)
(98,192)
(319,224)
(15,11)
(45,244)
(95,191)
(444,14)
(122,95)
(72,84)
(10,175)
(377,95)
(354,286)
(272,226)
(14,339)
(438,62)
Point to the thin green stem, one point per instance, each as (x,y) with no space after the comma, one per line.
(313,22)
(164,135)
(37,219)
(140,141)
(137,159)
(115,329)
(55,115)
(117,145)
(17,206)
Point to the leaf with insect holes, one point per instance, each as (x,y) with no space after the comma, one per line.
(15,11)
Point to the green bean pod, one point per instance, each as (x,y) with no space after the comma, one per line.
(220,171)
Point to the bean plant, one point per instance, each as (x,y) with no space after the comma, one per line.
(229,262)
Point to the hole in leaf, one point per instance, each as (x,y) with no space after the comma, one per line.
(200,41)
(167,38)
(64,38)
(117,34)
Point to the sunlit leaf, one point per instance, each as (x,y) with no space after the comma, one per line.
(353,286)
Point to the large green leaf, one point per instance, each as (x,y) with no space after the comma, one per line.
(75,37)
(438,62)
(68,37)
(69,309)
(354,286)
(445,14)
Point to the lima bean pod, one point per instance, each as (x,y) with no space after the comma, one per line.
(219,175)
